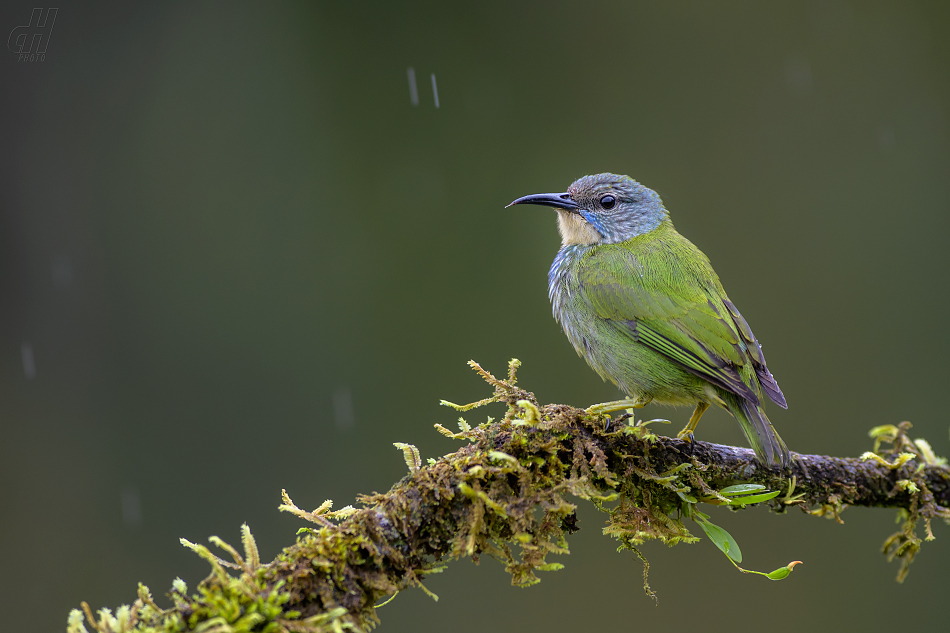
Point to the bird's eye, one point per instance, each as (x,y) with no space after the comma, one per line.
(608,202)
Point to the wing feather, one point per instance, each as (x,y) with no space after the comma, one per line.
(677,307)
(767,380)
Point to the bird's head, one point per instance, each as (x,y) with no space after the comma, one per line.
(602,209)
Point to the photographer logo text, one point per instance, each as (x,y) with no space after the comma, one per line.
(30,41)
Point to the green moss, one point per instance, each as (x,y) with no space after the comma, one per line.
(508,493)
(909,458)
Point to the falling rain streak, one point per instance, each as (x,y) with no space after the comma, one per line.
(413,93)
(131,503)
(343,408)
(29,363)
(414,90)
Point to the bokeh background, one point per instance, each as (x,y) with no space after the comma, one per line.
(235,258)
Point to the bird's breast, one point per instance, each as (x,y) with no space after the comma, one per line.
(563,290)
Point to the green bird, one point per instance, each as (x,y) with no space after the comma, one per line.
(646,310)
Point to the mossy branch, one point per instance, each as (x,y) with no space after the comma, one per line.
(508,494)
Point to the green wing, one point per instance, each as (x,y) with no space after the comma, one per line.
(667,297)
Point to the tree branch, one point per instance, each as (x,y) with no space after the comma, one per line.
(505,494)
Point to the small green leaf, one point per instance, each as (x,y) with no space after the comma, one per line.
(741,489)
(783,572)
(686,497)
(550,567)
(722,539)
(779,574)
(741,501)
(642,423)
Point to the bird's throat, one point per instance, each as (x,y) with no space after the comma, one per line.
(575,230)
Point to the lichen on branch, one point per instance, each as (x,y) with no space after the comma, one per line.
(510,493)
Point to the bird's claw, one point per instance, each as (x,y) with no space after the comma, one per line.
(687,436)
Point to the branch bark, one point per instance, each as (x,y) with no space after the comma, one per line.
(506,494)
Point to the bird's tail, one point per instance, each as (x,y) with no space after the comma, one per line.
(765,441)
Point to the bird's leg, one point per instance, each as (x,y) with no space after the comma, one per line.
(687,433)
(619,405)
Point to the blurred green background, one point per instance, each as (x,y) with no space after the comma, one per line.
(235,258)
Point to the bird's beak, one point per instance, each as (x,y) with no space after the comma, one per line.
(556,200)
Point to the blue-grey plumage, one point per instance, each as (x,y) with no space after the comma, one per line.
(646,310)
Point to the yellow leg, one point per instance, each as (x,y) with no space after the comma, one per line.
(687,433)
(619,405)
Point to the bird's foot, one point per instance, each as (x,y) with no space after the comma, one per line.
(617,405)
(686,434)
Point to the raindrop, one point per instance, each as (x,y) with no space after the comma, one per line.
(435,91)
(413,93)
(798,75)
(29,363)
(343,408)
(62,271)
(885,137)
(131,507)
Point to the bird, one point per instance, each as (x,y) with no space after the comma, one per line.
(644,307)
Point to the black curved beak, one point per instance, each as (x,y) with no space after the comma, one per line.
(556,200)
